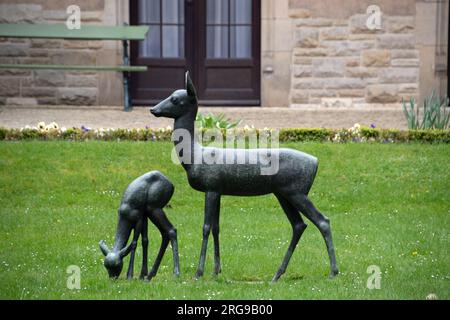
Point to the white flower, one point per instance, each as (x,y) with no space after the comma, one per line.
(63,129)
(54,125)
(357,126)
(41,125)
(168,128)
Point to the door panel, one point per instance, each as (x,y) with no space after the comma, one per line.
(217,40)
(228,64)
(164,50)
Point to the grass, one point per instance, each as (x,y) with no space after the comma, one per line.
(388,204)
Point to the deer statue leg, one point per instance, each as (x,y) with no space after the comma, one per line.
(215,233)
(298,227)
(137,232)
(144,239)
(168,233)
(305,206)
(212,206)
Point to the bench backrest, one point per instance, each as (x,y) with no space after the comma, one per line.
(60,31)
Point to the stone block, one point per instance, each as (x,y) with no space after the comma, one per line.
(315,22)
(352,62)
(302,61)
(344,83)
(328,67)
(405,54)
(399,75)
(307,38)
(299,13)
(405,63)
(352,93)
(302,71)
(307,83)
(361,72)
(9,87)
(20,13)
(46,43)
(313,52)
(38,92)
(408,88)
(395,24)
(14,49)
(49,78)
(73,58)
(299,97)
(376,58)
(347,48)
(21,101)
(77,96)
(382,93)
(81,81)
(321,94)
(80,44)
(334,33)
(396,41)
(336,102)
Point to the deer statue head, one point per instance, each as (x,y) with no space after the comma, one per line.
(114,260)
(179,103)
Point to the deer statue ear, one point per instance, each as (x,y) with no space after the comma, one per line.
(125,251)
(190,87)
(104,248)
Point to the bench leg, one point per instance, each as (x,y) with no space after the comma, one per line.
(126,87)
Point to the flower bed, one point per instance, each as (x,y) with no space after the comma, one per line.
(354,134)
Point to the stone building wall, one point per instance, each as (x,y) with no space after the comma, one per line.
(313,53)
(341,63)
(337,61)
(54,87)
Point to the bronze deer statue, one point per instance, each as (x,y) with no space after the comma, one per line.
(290,184)
(144,199)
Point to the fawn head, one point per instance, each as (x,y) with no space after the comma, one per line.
(178,103)
(114,260)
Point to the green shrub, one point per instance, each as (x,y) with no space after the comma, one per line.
(285,135)
(433,114)
(219,121)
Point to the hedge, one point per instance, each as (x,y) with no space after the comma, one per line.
(285,135)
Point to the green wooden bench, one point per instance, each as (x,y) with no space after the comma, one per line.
(86,32)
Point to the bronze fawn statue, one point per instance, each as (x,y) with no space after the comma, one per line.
(144,198)
(290,184)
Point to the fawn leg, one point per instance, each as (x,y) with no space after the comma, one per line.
(212,201)
(305,206)
(298,226)
(215,233)
(144,233)
(137,232)
(168,233)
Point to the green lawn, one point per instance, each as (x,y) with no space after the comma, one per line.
(388,204)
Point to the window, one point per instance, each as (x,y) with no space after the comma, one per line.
(229,28)
(165,38)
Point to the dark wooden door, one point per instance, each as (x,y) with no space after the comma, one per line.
(217,40)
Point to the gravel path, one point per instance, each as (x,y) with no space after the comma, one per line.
(115,117)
